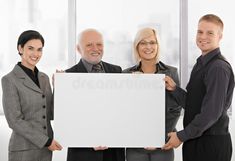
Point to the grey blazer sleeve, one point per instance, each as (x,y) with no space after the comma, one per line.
(24,129)
(173,109)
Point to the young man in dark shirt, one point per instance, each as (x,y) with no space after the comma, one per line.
(209,95)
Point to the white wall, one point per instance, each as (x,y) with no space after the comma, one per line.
(4,138)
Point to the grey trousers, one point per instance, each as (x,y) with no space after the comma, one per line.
(31,155)
(137,154)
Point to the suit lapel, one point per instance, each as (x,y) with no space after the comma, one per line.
(42,81)
(81,68)
(26,80)
(106,68)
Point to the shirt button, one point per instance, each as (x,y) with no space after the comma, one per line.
(44,127)
(43,116)
(43,106)
(43,96)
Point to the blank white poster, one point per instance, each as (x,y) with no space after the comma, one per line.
(114,110)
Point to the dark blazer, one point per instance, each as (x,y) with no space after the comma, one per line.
(28,110)
(89,154)
(173,109)
(80,68)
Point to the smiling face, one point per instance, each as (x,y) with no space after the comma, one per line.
(91,46)
(31,53)
(208,37)
(147,48)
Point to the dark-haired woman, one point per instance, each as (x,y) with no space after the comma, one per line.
(28,104)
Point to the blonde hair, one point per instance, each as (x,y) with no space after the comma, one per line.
(142,34)
(213,19)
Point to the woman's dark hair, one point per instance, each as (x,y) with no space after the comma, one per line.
(28,35)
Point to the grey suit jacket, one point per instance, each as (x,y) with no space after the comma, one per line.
(28,109)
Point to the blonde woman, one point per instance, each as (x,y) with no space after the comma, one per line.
(146,51)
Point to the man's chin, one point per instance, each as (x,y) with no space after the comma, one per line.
(95,61)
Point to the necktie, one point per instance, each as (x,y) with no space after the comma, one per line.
(97,68)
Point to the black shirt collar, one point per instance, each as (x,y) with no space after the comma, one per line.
(206,58)
(32,74)
(159,67)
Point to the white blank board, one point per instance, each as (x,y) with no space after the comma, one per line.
(114,110)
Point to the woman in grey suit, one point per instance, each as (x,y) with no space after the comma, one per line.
(28,104)
(146,51)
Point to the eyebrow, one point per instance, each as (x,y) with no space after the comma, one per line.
(148,41)
(34,47)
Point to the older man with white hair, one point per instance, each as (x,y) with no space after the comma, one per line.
(90,46)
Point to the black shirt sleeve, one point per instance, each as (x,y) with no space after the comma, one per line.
(216,81)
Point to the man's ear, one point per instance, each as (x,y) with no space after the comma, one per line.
(221,35)
(79,49)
